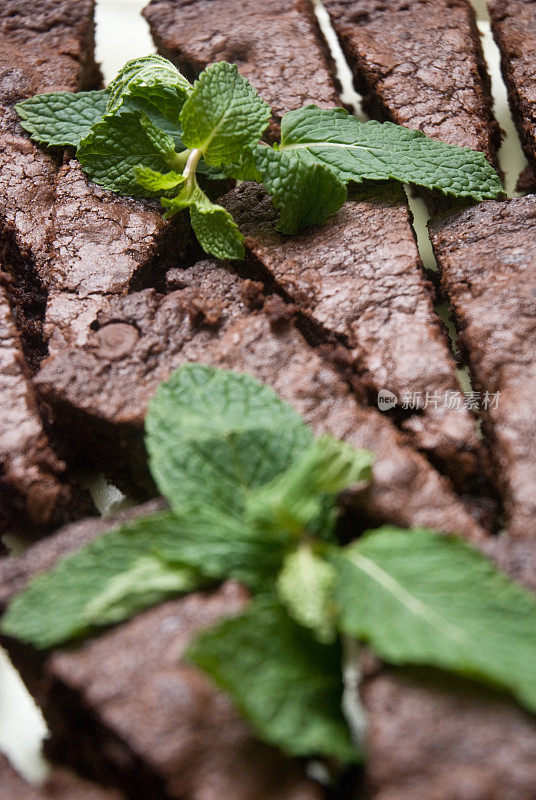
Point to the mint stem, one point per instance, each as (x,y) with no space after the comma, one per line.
(193,160)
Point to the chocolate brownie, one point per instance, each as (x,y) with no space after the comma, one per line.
(359,278)
(100,390)
(419,63)
(34,495)
(60,785)
(514,28)
(488,263)
(101,245)
(438,737)
(276,44)
(160,721)
(44,46)
(58,38)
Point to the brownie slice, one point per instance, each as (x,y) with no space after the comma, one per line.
(419,63)
(101,245)
(60,785)
(434,736)
(514,28)
(161,721)
(488,263)
(359,278)
(276,44)
(44,46)
(58,36)
(100,390)
(33,493)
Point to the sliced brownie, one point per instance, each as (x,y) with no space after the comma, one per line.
(514,27)
(419,63)
(488,263)
(58,37)
(101,245)
(276,44)
(60,785)
(359,278)
(159,721)
(100,390)
(44,46)
(436,737)
(33,493)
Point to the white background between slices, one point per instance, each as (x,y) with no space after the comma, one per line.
(122,34)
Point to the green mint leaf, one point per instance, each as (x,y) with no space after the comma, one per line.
(245,169)
(222,547)
(358,151)
(61,119)
(214,435)
(157,181)
(423,598)
(303,498)
(110,579)
(304,190)
(188,195)
(216,230)
(117,145)
(172,129)
(305,587)
(223,114)
(155,80)
(286,683)
(148,581)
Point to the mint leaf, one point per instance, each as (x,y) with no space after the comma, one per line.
(61,119)
(305,587)
(117,145)
(148,581)
(305,191)
(172,129)
(422,598)
(115,576)
(216,230)
(245,169)
(155,80)
(158,181)
(214,435)
(223,114)
(303,498)
(286,683)
(357,151)
(221,547)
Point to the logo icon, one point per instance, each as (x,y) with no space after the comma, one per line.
(386,400)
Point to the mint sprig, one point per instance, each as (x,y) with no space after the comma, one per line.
(152,118)
(253,497)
